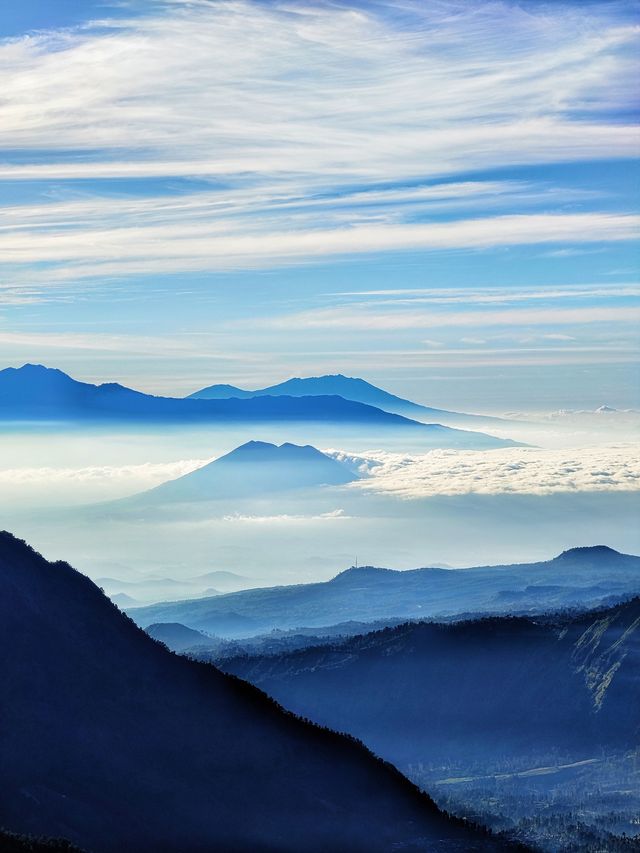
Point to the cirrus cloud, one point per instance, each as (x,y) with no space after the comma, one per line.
(319,130)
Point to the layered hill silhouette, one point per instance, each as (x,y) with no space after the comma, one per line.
(474,693)
(252,470)
(111,741)
(348,387)
(152,588)
(178,638)
(35,393)
(579,577)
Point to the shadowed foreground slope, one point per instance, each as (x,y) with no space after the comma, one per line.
(108,739)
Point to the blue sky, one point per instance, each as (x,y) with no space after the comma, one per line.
(441,197)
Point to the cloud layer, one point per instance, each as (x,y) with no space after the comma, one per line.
(511,471)
(48,486)
(405,476)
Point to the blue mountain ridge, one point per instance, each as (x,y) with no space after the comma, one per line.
(38,393)
(348,387)
(584,577)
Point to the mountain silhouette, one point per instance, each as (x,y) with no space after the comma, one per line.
(251,470)
(177,637)
(348,387)
(113,742)
(34,392)
(581,577)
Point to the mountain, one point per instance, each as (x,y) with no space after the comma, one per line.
(35,393)
(122,600)
(348,387)
(150,589)
(567,684)
(222,579)
(177,637)
(110,740)
(579,577)
(223,392)
(251,470)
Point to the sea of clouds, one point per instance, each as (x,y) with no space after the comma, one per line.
(518,470)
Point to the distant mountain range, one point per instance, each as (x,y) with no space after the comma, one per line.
(108,739)
(252,470)
(153,588)
(480,694)
(350,388)
(580,577)
(36,393)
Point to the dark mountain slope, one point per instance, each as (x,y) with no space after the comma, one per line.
(34,393)
(253,469)
(10,842)
(109,740)
(579,577)
(351,388)
(481,692)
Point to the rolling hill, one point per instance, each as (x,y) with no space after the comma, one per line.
(579,577)
(111,741)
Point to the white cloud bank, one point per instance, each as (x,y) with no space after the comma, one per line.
(525,470)
(511,471)
(150,473)
(49,486)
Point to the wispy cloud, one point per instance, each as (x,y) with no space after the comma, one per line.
(148,249)
(321,129)
(372,318)
(286,518)
(313,89)
(488,295)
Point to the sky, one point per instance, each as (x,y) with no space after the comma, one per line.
(441,197)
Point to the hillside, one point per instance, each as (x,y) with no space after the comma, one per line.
(111,741)
(580,577)
(471,694)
